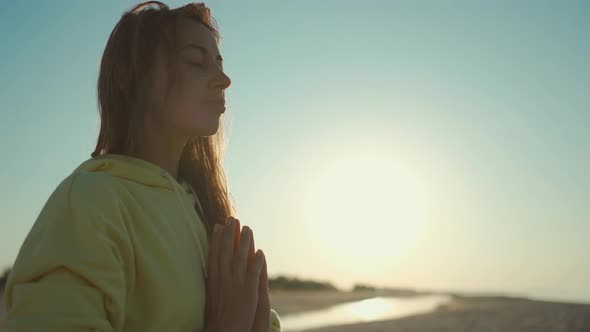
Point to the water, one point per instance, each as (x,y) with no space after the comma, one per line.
(368,310)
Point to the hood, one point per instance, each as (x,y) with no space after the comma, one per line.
(151,175)
(129,168)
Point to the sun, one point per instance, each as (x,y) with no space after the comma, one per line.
(365,209)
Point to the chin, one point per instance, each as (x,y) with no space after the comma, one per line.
(212,132)
(201,132)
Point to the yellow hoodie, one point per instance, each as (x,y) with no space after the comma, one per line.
(117,247)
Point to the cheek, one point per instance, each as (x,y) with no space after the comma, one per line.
(190,116)
(185,109)
(187,100)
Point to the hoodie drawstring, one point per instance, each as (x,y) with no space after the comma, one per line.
(190,221)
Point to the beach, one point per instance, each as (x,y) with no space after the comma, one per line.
(292,302)
(462,314)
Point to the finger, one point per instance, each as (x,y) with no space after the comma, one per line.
(263,285)
(263,314)
(241,257)
(263,297)
(226,251)
(255,270)
(215,240)
(213,269)
(252,253)
(237,235)
(213,256)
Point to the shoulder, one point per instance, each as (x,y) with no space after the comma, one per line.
(80,213)
(88,183)
(93,185)
(86,193)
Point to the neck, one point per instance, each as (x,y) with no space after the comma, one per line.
(161,148)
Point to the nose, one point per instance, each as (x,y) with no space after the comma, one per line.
(221,81)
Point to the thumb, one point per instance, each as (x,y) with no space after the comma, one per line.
(262,316)
(263,283)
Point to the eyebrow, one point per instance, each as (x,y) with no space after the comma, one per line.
(201,48)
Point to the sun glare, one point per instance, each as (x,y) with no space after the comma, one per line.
(370,309)
(365,209)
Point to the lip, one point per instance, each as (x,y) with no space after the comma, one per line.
(216,102)
(220,106)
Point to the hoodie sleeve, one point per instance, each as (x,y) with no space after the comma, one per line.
(275,322)
(73,268)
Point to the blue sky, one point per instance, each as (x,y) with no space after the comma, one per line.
(427,144)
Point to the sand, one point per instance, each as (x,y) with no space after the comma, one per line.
(481,314)
(463,314)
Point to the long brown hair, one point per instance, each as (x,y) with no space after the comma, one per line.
(124,81)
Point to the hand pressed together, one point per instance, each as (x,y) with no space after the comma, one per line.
(237,298)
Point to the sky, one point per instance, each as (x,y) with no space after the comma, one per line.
(436,145)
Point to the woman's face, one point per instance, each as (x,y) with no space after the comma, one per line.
(197,97)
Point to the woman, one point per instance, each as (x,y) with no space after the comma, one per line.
(127,241)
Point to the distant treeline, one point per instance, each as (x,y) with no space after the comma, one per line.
(286,283)
(394,291)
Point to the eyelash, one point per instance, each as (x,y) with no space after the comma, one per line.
(201,65)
